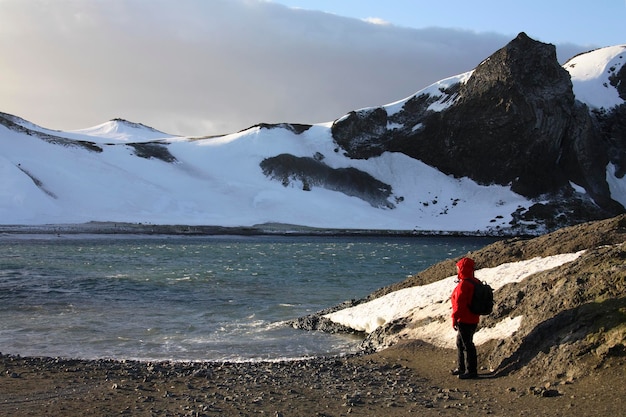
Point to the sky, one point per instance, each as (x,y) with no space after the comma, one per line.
(196,67)
(557,21)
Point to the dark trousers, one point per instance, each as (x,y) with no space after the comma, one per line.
(465,348)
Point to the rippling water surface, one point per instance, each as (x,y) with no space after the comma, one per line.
(193,298)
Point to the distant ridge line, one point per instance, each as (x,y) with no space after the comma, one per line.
(271,229)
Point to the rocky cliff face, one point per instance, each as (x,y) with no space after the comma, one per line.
(515,122)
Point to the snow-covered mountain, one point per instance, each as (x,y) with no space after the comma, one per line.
(70,177)
(293,174)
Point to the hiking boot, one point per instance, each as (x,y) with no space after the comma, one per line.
(469,375)
(457,371)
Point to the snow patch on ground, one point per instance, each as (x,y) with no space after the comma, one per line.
(430,304)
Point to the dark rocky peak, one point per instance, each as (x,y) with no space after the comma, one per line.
(510,121)
(524,64)
(514,122)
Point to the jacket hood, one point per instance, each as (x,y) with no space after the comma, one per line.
(465,268)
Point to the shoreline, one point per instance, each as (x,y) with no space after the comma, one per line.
(272,229)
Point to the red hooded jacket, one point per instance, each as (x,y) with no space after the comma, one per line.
(462,294)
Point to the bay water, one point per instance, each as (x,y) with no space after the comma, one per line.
(194,298)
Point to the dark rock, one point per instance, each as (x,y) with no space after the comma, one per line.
(514,122)
(618,80)
(154,150)
(312,172)
(296,128)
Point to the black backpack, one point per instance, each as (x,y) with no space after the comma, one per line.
(482,300)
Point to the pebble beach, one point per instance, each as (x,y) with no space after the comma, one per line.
(410,379)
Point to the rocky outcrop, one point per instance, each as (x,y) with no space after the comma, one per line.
(574,315)
(156,150)
(515,121)
(618,80)
(313,172)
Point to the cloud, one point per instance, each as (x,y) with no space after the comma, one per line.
(197,67)
(377,21)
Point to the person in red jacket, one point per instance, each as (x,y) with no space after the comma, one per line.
(464,321)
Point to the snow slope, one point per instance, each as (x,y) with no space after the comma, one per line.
(591,74)
(219,182)
(121,130)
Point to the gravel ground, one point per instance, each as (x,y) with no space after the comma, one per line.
(411,378)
